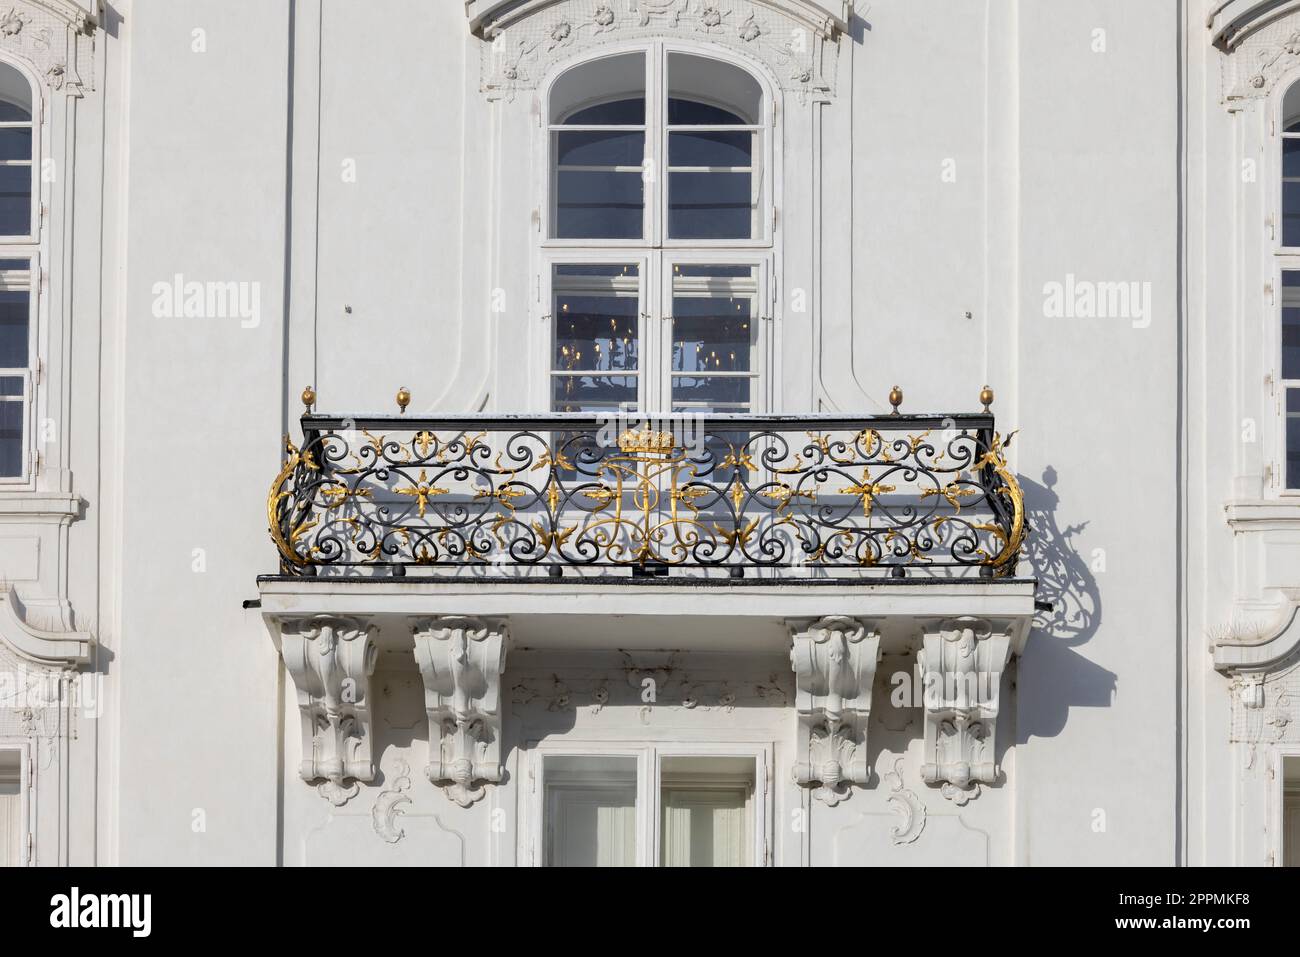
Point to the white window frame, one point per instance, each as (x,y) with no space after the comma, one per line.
(1280,754)
(27,854)
(31,374)
(32,237)
(29,247)
(654,252)
(649,788)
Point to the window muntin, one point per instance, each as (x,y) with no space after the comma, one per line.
(17,166)
(652,805)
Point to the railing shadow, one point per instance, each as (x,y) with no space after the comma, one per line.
(1053,676)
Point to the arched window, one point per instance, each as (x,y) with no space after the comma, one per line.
(658,234)
(19,268)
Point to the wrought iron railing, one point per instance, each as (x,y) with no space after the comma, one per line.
(802,496)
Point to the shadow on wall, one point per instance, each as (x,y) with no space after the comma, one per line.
(1052,676)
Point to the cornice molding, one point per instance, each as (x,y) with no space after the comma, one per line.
(1231,21)
(828,18)
(37,644)
(795,41)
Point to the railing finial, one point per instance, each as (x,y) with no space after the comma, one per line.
(895,398)
(308,397)
(403,399)
(986,397)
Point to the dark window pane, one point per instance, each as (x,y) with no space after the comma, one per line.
(728,390)
(1293,438)
(592,393)
(691,113)
(1291,157)
(711,343)
(713,149)
(599,206)
(15,317)
(600,149)
(15,144)
(11,433)
(713,206)
(596,334)
(630,112)
(15,200)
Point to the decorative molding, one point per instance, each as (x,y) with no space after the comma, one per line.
(42,644)
(330,660)
(961,662)
(796,40)
(55,37)
(1232,21)
(388,806)
(906,803)
(834,662)
(461,661)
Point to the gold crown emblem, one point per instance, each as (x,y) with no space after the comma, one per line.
(646,441)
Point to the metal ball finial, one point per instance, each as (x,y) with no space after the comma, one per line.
(895,398)
(986,397)
(403,398)
(308,397)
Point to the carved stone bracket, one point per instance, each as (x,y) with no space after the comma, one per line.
(331,660)
(461,661)
(834,662)
(961,664)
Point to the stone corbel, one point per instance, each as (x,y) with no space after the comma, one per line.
(461,661)
(834,662)
(961,665)
(330,661)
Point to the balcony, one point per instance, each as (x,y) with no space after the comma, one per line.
(764,498)
(821,544)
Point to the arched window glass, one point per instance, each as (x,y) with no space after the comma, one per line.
(16,166)
(658,201)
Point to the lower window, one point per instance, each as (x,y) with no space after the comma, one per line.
(12,831)
(648,807)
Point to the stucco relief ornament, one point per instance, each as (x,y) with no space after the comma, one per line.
(388,806)
(12,23)
(906,803)
(55,75)
(672,10)
(711,19)
(561,35)
(604,18)
(750,30)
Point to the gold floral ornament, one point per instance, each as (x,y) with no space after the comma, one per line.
(422,492)
(868,490)
(1014,539)
(278,498)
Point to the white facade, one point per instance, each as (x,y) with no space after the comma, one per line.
(1080,203)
